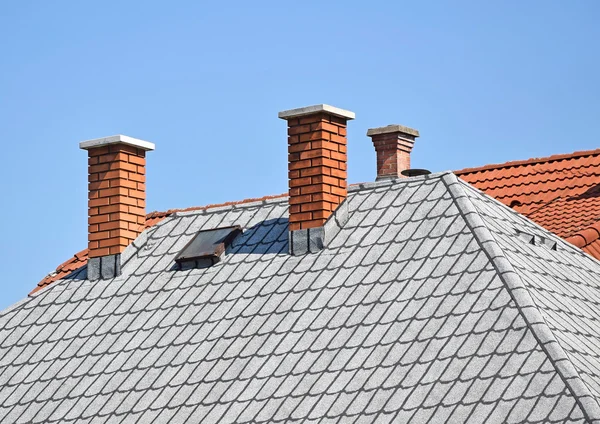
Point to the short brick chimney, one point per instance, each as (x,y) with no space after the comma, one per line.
(393,145)
(317,166)
(117,200)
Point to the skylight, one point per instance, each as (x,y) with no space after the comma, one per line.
(206,248)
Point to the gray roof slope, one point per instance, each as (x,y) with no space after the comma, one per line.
(412,314)
(564,285)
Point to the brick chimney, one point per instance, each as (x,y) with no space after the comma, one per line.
(117,200)
(393,145)
(317,166)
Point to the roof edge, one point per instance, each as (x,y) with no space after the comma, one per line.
(531,161)
(586,236)
(522,298)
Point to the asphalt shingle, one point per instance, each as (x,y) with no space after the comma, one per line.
(413,313)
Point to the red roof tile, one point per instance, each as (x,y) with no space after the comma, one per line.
(561,193)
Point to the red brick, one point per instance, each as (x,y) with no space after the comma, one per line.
(135,210)
(138,178)
(338,156)
(114,148)
(96,252)
(97,219)
(299,147)
(97,185)
(298,182)
(325,127)
(298,217)
(315,188)
(338,173)
(114,208)
(312,223)
(300,164)
(299,129)
(315,136)
(99,235)
(310,119)
(114,250)
(296,200)
(342,192)
(98,151)
(103,201)
(111,225)
(309,154)
(116,191)
(137,160)
(332,198)
(314,206)
(119,173)
(321,214)
(137,194)
(315,170)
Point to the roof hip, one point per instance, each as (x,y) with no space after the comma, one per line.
(522,298)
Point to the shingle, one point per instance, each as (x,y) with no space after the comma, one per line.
(404,317)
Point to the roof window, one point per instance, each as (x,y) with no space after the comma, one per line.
(206,248)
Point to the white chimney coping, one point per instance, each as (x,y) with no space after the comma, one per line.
(309,110)
(394,128)
(116,139)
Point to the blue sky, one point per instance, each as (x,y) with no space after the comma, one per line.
(484,82)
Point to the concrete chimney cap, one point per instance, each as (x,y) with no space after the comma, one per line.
(116,139)
(310,110)
(394,128)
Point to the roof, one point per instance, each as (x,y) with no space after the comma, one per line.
(427,306)
(559,192)
(69,267)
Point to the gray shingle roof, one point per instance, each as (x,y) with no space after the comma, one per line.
(426,307)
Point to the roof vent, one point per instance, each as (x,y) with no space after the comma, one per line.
(206,248)
(537,240)
(415,172)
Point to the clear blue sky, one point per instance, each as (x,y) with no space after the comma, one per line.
(483,82)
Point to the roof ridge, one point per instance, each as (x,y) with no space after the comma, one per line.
(393,181)
(531,161)
(161,214)
(523,300)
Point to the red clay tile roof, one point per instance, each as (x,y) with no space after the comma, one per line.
(560,193)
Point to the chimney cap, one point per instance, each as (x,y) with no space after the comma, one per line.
(310,110)
(116,139)
(394,128)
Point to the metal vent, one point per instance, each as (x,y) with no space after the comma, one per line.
(537,240)
(206,248)
(415,172)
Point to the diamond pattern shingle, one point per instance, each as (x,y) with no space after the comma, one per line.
(408,316)
(565,285)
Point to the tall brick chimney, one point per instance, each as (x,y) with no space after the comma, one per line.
(393,145)
(317,165)
(117,200)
